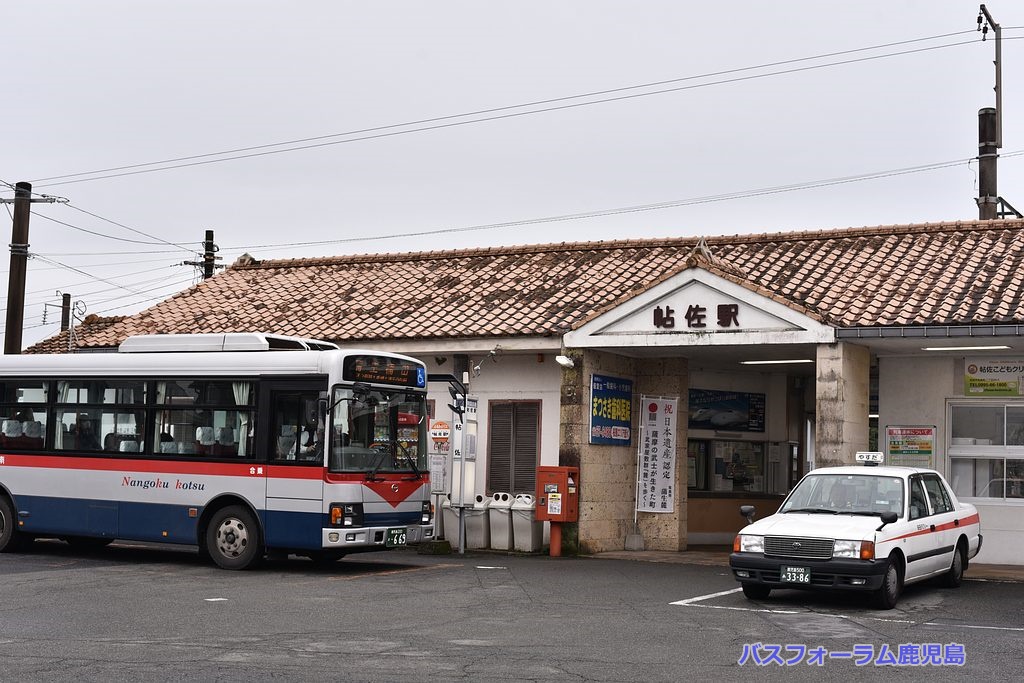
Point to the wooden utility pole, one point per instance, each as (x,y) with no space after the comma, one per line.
(990,134)
(988,195)
(209,263)
(19,266)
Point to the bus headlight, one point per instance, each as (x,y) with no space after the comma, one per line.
(746,543)
(347,514)
(426,512)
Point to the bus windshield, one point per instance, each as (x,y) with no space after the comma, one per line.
(377,430)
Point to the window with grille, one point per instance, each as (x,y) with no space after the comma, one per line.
(513,445)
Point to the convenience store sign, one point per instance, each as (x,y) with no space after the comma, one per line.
(993,376)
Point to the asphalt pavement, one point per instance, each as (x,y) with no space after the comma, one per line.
(719,556)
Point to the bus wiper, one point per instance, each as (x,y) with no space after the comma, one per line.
(866,513)
(417,475)
(394,449)
(823,511)
(372,474)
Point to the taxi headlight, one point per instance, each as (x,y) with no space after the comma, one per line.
(846,549)
(751,544)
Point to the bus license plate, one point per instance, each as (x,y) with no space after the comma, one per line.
(795,575)
(395,537)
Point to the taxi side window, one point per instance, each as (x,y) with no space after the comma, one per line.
(937,494)
(918,499)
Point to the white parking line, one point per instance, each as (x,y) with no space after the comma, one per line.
(691,602)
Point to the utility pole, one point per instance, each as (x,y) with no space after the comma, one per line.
(19,265)
(210,258)
(990,134)
(988,195)
(65,312)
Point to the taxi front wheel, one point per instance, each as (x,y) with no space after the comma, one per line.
(756,591)
(892,584)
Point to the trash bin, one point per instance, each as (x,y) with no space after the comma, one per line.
(450,521)
(478,531)
(500,513)
(527,532)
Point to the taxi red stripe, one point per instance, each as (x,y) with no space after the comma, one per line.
(966,521)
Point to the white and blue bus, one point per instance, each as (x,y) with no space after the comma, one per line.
(242,444)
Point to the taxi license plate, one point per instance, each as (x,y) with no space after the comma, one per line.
(795,574)
(395,537)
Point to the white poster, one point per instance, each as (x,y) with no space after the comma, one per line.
(656,462)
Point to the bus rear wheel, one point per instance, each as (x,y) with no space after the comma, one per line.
(233,538)
(11,540)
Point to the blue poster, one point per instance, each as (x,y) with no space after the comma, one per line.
(611,410)
(728,411)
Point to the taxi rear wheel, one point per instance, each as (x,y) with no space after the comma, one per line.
(955,576)
(892,584)
(756,591)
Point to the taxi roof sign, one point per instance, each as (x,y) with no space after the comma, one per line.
(870,457)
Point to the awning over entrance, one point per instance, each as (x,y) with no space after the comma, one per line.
(697,308)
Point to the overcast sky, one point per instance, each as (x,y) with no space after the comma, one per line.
(100,85)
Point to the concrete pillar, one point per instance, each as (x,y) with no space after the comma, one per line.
(608,473)
(841,403)
(667,377)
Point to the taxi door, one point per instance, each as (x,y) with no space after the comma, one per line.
(922,546)
(945,524)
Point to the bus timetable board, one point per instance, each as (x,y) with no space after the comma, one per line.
(384,370)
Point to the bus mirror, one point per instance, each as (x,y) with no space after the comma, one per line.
(322,407)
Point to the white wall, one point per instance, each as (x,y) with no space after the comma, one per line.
(515,377)
(913,391)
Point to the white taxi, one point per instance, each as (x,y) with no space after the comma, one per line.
(872,529)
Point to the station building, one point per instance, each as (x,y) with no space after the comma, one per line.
(778,353)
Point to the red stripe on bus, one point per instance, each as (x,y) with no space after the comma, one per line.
(196,467)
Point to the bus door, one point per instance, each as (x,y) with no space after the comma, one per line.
(293,434)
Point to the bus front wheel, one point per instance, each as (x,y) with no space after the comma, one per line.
(233,538)
(11,540)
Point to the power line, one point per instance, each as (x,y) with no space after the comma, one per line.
(105,253)
(97,234)
(740,194)
(82,272)
(252,153)
(132,303)
(159,240)
(94,265)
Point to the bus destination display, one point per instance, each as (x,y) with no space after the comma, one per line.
(383,370)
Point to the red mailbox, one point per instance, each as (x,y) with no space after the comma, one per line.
(558,497)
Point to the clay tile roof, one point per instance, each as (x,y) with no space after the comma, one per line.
(928,274)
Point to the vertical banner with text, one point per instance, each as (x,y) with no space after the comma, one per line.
(656,466)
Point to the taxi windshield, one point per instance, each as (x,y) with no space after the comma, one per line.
(850,494)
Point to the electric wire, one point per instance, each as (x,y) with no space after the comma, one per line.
(173,164)
(159,240)
(126,304)
(507,107)
(742,194)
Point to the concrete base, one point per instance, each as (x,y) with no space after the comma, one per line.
(434,548)
(635,540)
